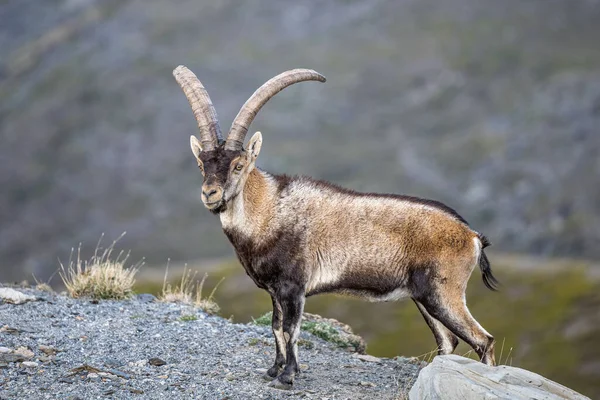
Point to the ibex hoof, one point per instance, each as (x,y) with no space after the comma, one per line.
(272,373)
(277,384)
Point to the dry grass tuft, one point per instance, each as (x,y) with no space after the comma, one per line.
(44,287)
(189,291)
(508,359)
(100,277)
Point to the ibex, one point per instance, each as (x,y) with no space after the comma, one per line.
(297,236)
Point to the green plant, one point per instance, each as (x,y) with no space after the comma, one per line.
(322,330)
(264,320)
(307,344)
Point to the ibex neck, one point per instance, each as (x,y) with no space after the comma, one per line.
(250,212)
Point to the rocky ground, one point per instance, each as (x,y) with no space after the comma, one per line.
(61,348)
(492,107)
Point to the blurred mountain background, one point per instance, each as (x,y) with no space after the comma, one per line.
(492,107)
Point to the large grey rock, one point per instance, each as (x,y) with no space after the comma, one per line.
(455,377)
(14,296)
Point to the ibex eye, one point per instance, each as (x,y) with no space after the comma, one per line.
(239,167)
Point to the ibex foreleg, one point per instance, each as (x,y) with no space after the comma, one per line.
(280,344)
(291,297)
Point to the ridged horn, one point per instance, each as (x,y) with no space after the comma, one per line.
(204,111)
(241,123)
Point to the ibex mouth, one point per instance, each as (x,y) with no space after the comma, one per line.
(213,204)
(216,207)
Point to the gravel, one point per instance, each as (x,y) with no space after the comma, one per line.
(62,348)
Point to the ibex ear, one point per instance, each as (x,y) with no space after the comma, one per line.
(254,145)
(196,146)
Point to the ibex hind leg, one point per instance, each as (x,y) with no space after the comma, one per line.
(445,339)
(451,310)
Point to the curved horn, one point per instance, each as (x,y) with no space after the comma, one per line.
(204,111)
(241,123)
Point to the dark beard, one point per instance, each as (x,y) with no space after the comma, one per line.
(218,210)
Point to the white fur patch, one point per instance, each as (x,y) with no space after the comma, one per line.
(478,249)
(234,217)
(397,294)
(477,254)
(323,275)
(280,341)
(296,332)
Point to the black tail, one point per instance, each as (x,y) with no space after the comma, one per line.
(489,280)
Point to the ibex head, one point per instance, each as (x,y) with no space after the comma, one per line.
(226,164)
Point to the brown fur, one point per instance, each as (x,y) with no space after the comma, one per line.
(259,202)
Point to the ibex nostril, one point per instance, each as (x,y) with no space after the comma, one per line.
(209,193)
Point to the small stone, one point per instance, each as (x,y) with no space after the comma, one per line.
(12,357)
(48,350)
(93,377)
(13,296)
(9,330)
(136,391)
(157,362)
(367,358)
(118,373)
(277,384)
(139,363)
(4,350)
(29,364)
(112,363)
(3,365)
(365,383)
(85,368)
(145,298)
(25,352)
(230,376)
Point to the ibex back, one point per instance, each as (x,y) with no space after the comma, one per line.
(296,236)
